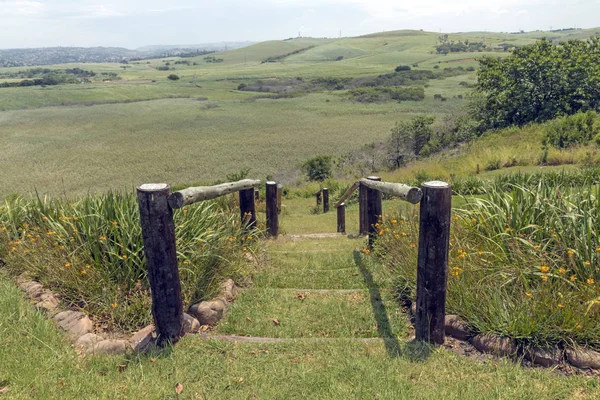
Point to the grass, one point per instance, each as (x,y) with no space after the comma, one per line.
(91,252)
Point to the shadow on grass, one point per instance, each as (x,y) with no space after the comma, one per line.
(413,350)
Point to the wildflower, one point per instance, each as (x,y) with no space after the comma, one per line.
(186,262)
(115,223)
(528,294)
(598,249)
(3,229)
(102,238)
(473,220)
(124,257)
(62,247)
(75,219)
(570,252)
(587,263)
(537,246)
(544,268)
(114,305)
(382,232)
(562,270)
(88,266)
(366,251)
(559,305)
(590,281)
(403,234)
(573,278)
(412,245)
(544,277)
(249,237)
(185,211)
(245,249)
(394,221)
(50,233)
(68,265)
(83,272)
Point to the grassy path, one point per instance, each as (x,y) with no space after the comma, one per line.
(332,306)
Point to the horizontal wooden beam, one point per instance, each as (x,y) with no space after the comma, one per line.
(348,193)
(411,194)
(193,195)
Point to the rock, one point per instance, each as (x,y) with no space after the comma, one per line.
(23,278)
(493,344)
(413,309)
(208,312)
(88,341)
(48,301)
(544,357)
(190,324)
(456,327)
(74,322)
(34,290)
(583,358)
(141,340)
(229,290)
(110,346)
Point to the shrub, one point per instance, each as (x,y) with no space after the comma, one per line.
(318,168)
(242,86)
(493,164)
(173,77)
(402,68)
(579,128)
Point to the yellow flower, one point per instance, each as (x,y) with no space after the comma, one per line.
(68,265)
(3,229)
(114,305)
(573,278)
(570,252)
(381,232)
(528,294)
(75,219)
(412,245)
(249,237)
(562,270)
(115,223)
(403,234)
(124,257)
(394,221)
(186,262)
(587,263)
(544,277)
(544,268)
(102,238)
(590,281)
(83,272)
(537,246)
(88,266)
(185,211)
(559,305)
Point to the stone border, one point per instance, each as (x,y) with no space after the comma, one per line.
(501,346)
(80,328)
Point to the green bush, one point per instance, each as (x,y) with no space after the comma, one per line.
(402,68)
(571,130)
(173,77)
(318,168)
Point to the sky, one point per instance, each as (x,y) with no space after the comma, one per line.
(135,23)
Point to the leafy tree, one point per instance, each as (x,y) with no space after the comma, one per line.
(410,139)
(173,77)
(318,168)
(539,82)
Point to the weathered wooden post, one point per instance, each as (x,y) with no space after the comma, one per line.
(374,211)
(272,217)
(432,270)
(256,194)
(158,233)
(318,196)
(248,208)
(279,197)
(325,200)
(362,206)
(341,218)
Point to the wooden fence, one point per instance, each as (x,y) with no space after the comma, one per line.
(156,203)
(434,235)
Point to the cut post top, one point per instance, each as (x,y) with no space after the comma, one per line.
(153,187)
(373,178)
(271,183)
(436,184)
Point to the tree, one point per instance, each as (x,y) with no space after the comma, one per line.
(539,82)
(173,77)
(317,168)
(410,139)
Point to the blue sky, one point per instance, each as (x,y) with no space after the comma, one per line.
(135,23)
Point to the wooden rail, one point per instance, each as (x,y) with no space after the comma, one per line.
(434,235)
(156,204)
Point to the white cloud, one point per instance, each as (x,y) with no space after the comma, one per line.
(21,8)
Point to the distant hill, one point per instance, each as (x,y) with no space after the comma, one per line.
(68,55)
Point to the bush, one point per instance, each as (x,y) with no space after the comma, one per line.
(576,129)
(318,168)
(402,68)
(173,77)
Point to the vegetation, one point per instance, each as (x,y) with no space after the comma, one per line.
(90,251)
(173,77)
(318,168)
(283,56)
(539,82)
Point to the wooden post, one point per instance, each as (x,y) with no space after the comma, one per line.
(432,270)
(256,194)
(247,208)
(374,211)
(158,233)
(279,197)
(363,208)
(318,196)
(341,218)
(325,200)
(272,217)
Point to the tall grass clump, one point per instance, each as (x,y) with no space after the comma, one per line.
(90,251)
(524,263)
